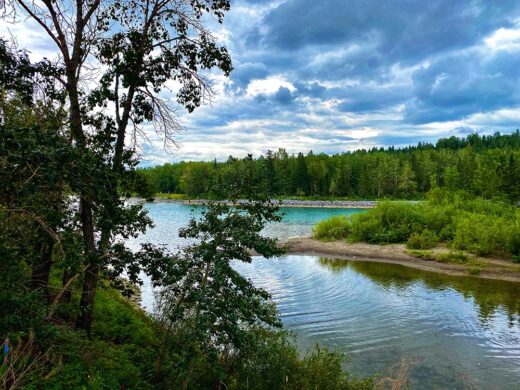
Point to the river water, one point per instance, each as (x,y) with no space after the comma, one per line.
(450,332)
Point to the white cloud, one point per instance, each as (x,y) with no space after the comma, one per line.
(504,39)
(268,85)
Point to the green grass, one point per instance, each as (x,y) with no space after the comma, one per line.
(457,257)
(125,345)
(451,257)
(421,254)
(474,271)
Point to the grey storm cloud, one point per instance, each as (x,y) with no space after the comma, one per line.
(318,43)
(406,29)
(460,85)
(244,73)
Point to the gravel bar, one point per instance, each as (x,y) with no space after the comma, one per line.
(348,204)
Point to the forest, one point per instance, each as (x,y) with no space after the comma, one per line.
(483,165)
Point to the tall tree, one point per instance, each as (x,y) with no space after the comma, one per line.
(301,177)
(141,45)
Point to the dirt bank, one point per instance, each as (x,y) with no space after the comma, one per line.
(488,268)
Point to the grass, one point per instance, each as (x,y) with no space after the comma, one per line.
(474,271)
(421,254)
(451,257)
(125,346)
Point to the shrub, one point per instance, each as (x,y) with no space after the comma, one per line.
(481,234)
(453,257)
(334,228)
(474,271)
(424,240)
(473,224)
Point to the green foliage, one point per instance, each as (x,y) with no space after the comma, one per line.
(389,222)
(487,234)
(457,257)
(460,220)
(122,351)
(206,296)
(487,166)
(322,370)
(423,240)
(421,254)
(334,228)
(217,327)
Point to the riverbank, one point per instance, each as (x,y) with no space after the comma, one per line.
(439,259)
(347,204)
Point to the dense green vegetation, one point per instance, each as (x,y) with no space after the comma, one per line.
(460,220)
(487,166)
(66,173)
(124,350)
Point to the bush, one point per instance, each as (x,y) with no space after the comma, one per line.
(424,240)
(458,257)
(334,228)
(463,222)
(483,234)
(474,271)
(272,361)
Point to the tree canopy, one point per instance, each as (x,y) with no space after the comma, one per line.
(483,165)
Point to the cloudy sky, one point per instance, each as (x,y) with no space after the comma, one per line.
(338,75)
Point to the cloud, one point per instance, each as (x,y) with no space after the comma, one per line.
(459,85)
(336,75)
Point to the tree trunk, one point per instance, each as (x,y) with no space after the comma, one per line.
(88,295)
(67,294)
(86,304)
(42,268)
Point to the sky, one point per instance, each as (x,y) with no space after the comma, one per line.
(339,75)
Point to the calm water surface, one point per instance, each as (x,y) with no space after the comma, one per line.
(452,332)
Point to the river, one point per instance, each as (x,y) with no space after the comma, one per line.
(452,332)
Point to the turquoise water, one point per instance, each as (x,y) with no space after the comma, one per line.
(451,332)
(170,217)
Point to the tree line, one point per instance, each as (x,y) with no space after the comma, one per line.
(487,165)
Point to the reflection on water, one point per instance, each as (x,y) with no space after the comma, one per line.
(489,295)
(168,218)
(454,332)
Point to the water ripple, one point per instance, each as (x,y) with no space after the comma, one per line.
(454,331)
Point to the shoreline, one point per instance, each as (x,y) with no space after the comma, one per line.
(345,204)
(490,268)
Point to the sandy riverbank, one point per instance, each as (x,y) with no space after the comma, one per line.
(397,254)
